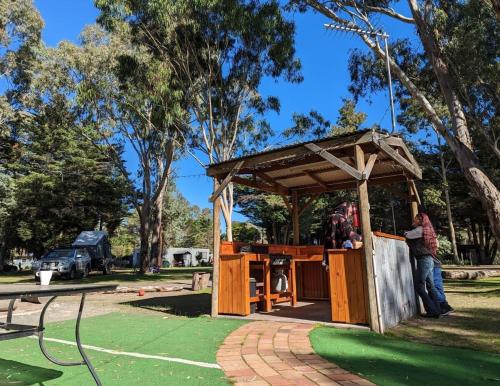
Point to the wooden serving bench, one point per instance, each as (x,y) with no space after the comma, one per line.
(343,284)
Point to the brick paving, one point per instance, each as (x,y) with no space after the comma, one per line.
(273,353)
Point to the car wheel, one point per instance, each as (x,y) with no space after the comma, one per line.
(72,273)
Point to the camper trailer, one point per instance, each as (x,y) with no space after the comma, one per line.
(99,248)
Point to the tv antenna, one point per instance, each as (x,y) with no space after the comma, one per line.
(373,34)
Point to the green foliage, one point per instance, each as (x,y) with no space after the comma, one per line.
(61,181)
(126,236)
(246,232)
(185,225)
(445,249)
(349,120)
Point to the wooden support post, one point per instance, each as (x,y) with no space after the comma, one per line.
(295,218)
(364,210)
(267,286)
(215,252)
(413,199)
(293,274)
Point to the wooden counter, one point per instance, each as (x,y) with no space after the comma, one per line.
(342,284)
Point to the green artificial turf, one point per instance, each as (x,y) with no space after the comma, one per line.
(197,339)
(391,361)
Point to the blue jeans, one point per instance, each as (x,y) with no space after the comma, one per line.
(424,278)
(438,284)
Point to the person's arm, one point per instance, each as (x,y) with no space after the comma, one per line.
(415,233)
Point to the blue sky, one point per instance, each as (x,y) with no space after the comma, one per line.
(324,56)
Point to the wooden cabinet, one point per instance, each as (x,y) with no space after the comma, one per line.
(234,285)
(347,286)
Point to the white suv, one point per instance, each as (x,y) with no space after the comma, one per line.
(68,263)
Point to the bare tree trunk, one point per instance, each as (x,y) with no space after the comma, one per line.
(3,252)
(156,239)
(227,201)
(451,227)
(481,243)
(460,142)
(145,233)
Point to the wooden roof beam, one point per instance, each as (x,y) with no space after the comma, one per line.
(334,160)
(226,181)
(369,165)
(316,178)
(392,153)
(270,180)
(259,185)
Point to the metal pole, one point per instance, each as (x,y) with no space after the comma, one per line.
(391,100)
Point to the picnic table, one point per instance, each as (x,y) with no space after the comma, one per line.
(14,292)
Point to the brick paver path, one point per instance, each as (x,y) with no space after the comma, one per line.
(273,353)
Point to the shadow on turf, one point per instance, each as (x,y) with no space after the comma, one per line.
(21,374)
(185,305)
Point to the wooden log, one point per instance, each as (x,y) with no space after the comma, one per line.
(215,252)
(366,230)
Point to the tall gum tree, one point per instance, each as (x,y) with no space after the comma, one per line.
(126,96)
(435,23)
(220,51)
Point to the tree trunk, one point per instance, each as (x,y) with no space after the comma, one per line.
(3,252)
(145,233)
(460,142)
(227,199)
(156,238)
(451,227)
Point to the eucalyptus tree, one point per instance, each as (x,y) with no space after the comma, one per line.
(451,77)
(129,98)
(220,52)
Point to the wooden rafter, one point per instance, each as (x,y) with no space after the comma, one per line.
(415,192)
(258,185)
(270,180)
(369,165)
(226,181)
(315,178)
(334,160)
(384,146)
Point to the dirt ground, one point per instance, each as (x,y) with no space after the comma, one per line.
(66,307)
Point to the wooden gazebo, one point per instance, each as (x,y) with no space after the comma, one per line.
(308,169)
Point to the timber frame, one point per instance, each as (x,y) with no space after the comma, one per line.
(351,161)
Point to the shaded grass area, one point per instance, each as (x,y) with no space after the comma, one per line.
(195,339)
(118,276)
(475,323)
(391,361)
(191,305)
